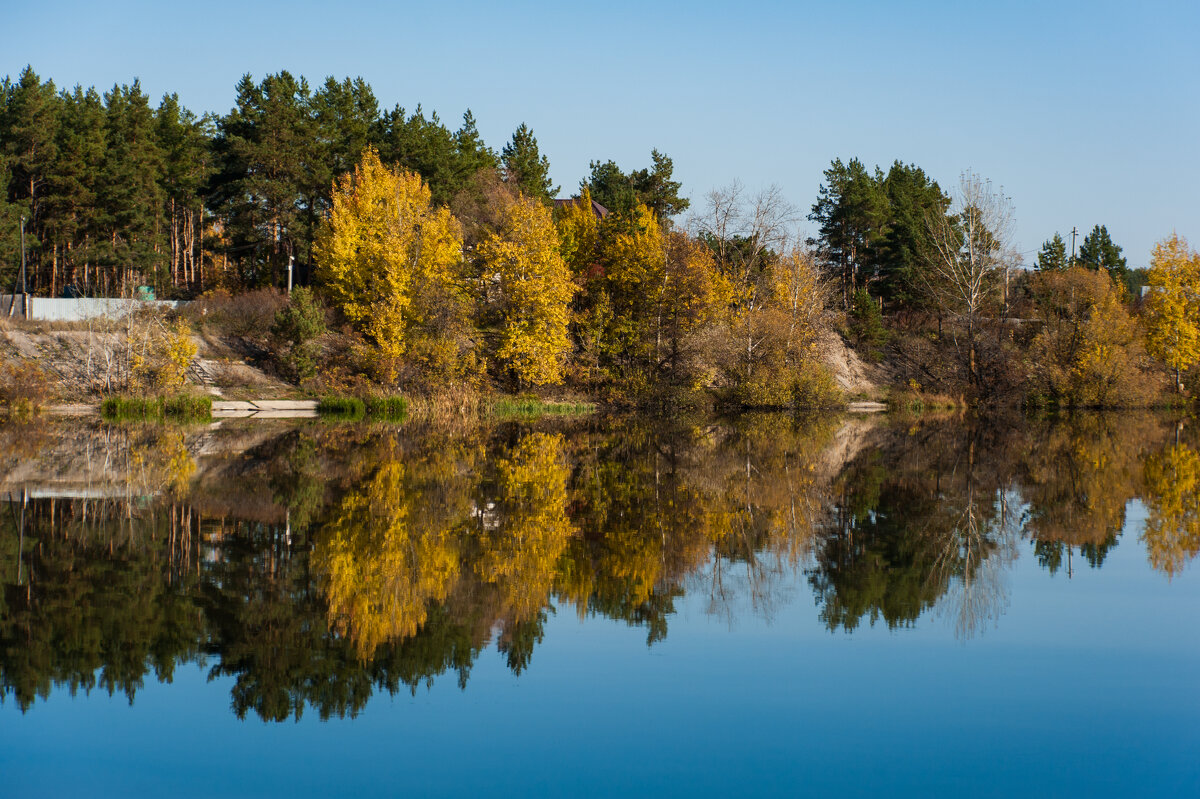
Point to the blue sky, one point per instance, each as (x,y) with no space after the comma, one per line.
(1086,113)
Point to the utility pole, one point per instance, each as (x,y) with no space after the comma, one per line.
(24,295)
(1074,233)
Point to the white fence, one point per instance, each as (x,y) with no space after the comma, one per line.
(54,309)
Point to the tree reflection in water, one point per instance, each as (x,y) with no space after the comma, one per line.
(325,563)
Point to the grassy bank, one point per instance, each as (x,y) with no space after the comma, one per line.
(181,408)
(352,409)
(532,407)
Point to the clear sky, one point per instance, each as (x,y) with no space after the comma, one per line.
(1086,112)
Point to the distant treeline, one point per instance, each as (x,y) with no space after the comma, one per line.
(118,192)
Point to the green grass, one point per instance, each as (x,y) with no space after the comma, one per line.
(531,407)
(182,408)
(346,409)
(353,409)
(388,409)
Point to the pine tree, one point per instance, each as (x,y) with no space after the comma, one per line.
(1053,255)
(266,151)
(913,199)
(28,128)
(129,197)
(852,211)
(72,199)
(525,167)
(186,145)
(1098,252)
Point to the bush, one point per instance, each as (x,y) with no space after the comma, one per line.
(815,389)
(24,387)
(293,331)
(249,315)
(866,325)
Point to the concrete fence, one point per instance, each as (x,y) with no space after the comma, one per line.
(55,309)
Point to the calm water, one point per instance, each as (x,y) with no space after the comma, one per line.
(602,608)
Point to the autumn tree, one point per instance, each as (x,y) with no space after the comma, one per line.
(969,259)
(1088,348)
(1172,533)
(520,553)
(535,293)
(384,249)
(1173,305)
(379,568)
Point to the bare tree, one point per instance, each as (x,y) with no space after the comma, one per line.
(970,254)
(745,233)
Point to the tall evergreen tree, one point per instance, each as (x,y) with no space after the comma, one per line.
(852,211)
(186,145)
(424,146)
(10,231)
(1053,255)
(471,155)
(266,150)
(72,198)
(610,187)
(525,167)
(1098,252)
(652,187)
(913,200)
(28,128)
(129,196)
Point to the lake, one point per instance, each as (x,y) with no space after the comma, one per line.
(604,606)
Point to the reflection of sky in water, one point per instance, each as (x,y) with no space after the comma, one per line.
(1083,687)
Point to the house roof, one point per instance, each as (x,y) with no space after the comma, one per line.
(599,210)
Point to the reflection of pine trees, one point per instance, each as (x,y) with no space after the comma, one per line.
(312,594)
(924,521)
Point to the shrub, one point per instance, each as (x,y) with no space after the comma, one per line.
(814,388)
(866,325)
(249,315)
(293,331)
(24,387)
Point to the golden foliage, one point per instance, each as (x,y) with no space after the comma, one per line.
(536,292)
(1172,534)
(384,241)
(578,231)
(381,566)
(1173,304)
(1088,350)
(520,552)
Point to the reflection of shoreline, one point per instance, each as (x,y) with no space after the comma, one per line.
(391,556)
(87,459)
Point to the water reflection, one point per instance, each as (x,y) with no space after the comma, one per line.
(318,565)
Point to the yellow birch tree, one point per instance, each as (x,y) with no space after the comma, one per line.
(536,291)
(384,239)
(1173,305)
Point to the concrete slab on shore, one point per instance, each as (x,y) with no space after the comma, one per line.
(866,407)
